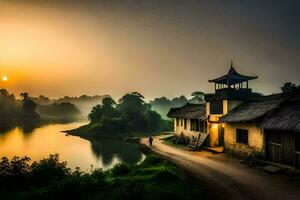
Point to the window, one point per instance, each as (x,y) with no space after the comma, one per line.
(195,125)
(177,121)
(242,136)
(201,126)
(181,122)
(185,123)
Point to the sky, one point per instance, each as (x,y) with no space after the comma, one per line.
(157,47)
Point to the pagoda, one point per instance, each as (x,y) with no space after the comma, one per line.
(233,85)
(232,79)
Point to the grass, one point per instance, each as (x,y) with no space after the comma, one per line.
(155,178)
(172,141)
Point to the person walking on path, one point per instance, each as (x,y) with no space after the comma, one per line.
(150,140)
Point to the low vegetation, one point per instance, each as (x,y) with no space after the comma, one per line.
(154,178)
(173,141)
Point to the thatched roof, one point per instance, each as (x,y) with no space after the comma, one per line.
(189,111)
(286,117)
(255,109)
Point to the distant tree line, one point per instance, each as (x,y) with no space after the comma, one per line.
(28,108)
(12,108)
(162,105)
(84,102)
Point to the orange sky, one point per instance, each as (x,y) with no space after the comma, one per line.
(72,50)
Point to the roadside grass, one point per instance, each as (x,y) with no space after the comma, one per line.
(172,141)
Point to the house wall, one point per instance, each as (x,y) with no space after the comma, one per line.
(214,126)
(214,134)
(207,104)
(180,129)
(255,139)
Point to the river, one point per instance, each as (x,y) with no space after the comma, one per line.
(39,141)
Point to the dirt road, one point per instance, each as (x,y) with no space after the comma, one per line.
(230,176)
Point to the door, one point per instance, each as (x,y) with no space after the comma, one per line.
(288,148)
(221,136)
(297,150)
(273,146)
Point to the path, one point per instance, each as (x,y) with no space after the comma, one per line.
(229,175)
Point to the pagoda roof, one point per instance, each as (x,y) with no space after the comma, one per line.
(232,77)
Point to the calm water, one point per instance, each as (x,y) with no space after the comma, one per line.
(39,141)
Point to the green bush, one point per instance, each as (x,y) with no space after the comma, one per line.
(121,169)
(49,179)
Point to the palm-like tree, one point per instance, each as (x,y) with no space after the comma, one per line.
(24,96)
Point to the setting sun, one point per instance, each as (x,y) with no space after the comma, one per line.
(4,78)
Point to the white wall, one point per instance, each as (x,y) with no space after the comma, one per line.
(255,139)
(180,129)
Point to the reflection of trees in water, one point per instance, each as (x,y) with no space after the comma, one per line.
(109,149)
(27,126)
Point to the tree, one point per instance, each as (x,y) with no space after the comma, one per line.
(133,107)
(198,97)
(4,92)
(24,96)
(289,87)
(108,102)
(179,101)
(28,105)
(95,114)
(161,105)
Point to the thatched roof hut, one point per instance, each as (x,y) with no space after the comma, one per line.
(254,109)
(188,111)
(286,117)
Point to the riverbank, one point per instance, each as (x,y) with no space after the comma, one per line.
(154,178)
(87,132)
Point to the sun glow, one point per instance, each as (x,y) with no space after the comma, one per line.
(4,78)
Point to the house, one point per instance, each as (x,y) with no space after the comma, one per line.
(244,122)
(268,127)
(242,134)
(282,133)
(189,120)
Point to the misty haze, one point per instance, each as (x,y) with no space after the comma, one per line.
(149,99)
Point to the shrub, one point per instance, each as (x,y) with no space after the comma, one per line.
(48,169)
(121,169)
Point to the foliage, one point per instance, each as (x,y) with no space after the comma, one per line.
(198,97)
(29,107)
(49,178)
(289,87)
(107,110)
(10,107)
(155,178)
(130,114)
(61,110)
(162,105)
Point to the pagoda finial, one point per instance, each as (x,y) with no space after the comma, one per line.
(231,70)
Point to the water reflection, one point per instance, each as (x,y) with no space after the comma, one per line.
(41,139)
(109,150)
